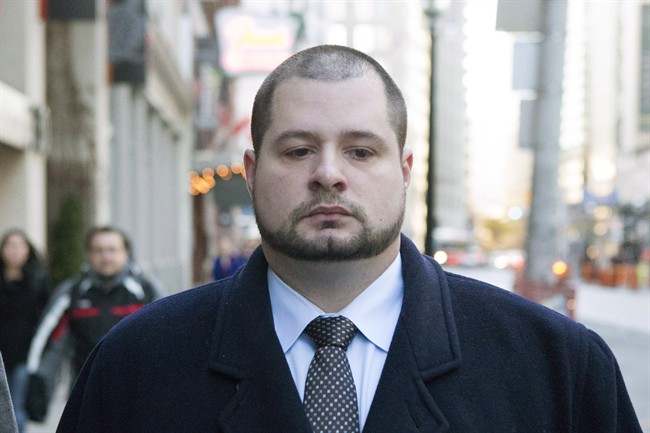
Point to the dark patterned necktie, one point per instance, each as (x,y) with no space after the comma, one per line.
(330,395)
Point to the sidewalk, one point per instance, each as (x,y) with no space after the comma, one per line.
(55,410)
(619,307)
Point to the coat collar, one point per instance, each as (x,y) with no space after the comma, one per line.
(245,347)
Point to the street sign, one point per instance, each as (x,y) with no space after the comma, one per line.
(250,43)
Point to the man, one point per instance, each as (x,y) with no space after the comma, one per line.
(84,308)
(426,350)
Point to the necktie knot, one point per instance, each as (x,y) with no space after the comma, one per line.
(331,331)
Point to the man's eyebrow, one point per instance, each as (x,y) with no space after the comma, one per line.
(361,134)
(353,134)
(295,133)
(356,134)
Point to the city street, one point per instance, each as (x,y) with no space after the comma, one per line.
(620,315)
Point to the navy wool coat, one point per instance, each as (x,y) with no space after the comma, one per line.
(465,357)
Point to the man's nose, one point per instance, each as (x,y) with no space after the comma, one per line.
(328,172)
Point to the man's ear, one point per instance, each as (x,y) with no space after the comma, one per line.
(407,165)
(250,165)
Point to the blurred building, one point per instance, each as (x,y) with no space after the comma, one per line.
(499,170)
(604,142)
(23,115)
(633,133)
(151,111)
(97,110)
(605,172)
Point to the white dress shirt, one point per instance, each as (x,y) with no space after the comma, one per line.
(374,312)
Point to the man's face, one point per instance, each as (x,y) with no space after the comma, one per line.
(107,254)
(329,183)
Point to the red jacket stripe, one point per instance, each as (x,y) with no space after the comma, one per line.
(125,310)
(85,312)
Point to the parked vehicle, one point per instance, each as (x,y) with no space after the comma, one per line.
(508,259)
(455,247)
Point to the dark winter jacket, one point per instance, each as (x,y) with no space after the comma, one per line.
(21,305)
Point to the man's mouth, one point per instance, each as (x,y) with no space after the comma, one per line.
(329,210)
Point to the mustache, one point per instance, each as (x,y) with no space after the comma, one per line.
(326,199)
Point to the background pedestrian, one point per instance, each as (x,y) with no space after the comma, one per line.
(229,259)
(84,308)
(24,291)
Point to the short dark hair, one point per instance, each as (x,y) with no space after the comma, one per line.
(326,63)
(94,231)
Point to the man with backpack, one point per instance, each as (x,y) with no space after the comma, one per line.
(84,308)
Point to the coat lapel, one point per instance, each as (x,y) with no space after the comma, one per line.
(425,346)
(246,348)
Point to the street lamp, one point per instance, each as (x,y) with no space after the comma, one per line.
(432,11)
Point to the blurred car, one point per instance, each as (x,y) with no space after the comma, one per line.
(460,255)
(508,259)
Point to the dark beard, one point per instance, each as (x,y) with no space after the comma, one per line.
(366,244)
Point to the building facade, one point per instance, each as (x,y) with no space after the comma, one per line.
(23,111)
(606,134)
(96,112)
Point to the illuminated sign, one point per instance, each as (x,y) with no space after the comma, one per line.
(251,43)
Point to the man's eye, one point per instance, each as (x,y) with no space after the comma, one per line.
(298,153)
(361,153)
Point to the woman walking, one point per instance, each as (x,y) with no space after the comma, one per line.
(24,291)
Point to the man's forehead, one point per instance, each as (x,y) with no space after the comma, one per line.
(300,91)
(107,237)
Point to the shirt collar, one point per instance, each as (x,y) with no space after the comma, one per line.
(374,312)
